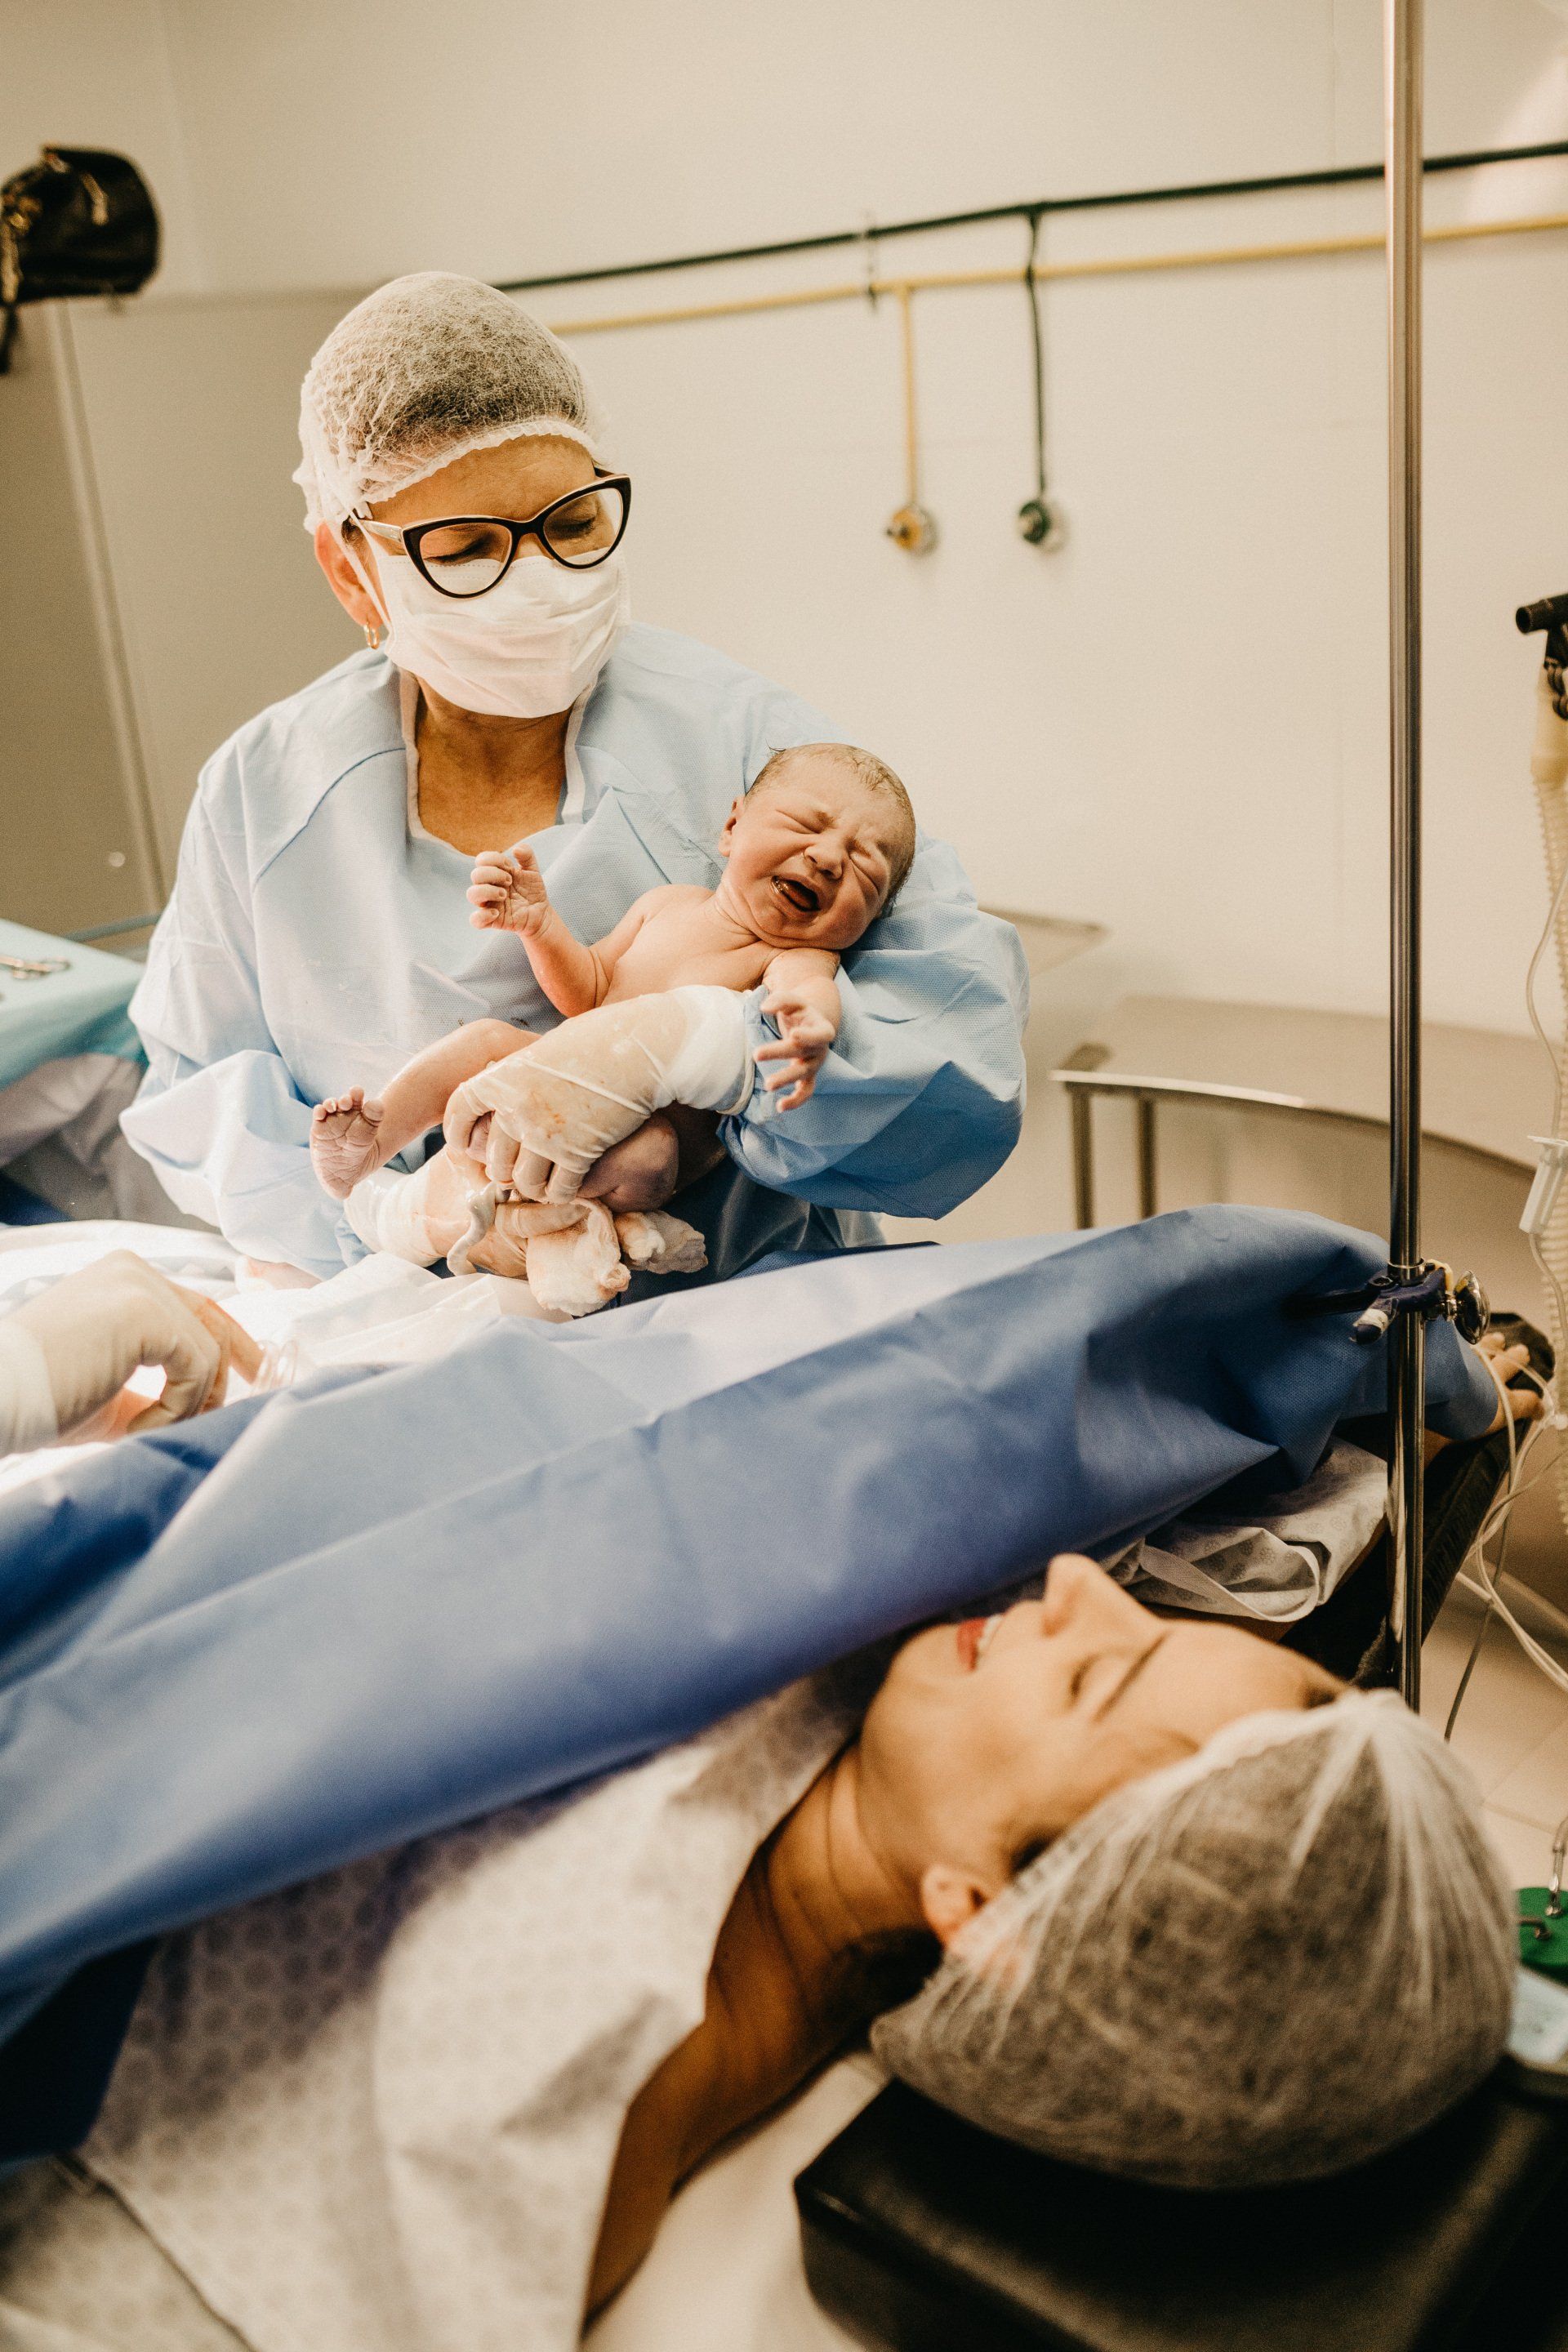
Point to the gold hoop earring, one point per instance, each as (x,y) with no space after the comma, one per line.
(373,636)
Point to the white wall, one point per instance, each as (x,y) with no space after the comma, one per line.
(1177,723)
(97,73)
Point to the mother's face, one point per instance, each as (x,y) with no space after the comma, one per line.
(990,1738)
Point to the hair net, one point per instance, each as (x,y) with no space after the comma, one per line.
(1268,1962)
(421,373)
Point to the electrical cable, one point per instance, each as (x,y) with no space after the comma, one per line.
(1487,1620)
(1470,1663)
(1484,1583)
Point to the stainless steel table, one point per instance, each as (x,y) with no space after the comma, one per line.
(1485,1093)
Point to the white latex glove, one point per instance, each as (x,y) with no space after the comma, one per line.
(423,1217)
(417,1218)
(577,1268)
(559,1105)
(578,1255)
(65,1357)
(656,1242)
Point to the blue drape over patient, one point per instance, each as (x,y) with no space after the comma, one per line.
(242,1653)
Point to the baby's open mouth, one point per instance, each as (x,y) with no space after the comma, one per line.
(798,895)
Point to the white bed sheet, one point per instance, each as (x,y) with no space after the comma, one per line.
(376,1312)
(725,2274)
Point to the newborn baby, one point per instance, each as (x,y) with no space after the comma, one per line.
(812,854)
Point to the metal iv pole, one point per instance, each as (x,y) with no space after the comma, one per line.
(1398,1302)
(1402,147)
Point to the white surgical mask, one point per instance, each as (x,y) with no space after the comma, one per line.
(528,647)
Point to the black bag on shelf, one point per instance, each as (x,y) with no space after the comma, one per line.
(79,221)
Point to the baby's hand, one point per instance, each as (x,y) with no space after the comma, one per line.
(507,891)
(805,1036)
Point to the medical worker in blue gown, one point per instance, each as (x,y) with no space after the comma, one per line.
(319,932)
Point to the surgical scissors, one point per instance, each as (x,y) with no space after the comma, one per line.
(34,967)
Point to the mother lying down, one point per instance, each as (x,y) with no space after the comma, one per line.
(1036,1796)
(1139,1892)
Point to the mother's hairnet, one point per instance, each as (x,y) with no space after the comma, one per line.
(1265,1963)
(421,373)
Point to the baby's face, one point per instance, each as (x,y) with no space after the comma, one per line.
(810,857)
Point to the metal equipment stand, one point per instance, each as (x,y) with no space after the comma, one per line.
(1413,1290)
(1402,159)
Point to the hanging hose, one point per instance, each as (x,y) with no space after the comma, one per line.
(912,528)
(1545,1219)
(1039,521)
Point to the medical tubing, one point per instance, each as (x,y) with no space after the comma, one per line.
(282,1364)
(1538,1657)
(1471,1664)
(1477,1550)
(1549,774)
(1484,1585)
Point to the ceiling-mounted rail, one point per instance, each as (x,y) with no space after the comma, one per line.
(1342,175)
(1119,264)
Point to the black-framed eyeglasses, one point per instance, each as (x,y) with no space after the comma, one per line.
(465,555)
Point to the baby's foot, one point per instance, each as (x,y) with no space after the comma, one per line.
(345,1141)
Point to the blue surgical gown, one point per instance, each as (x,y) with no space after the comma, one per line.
(316,938)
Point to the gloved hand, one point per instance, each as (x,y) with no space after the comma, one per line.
(655,1242)
(67,1354)
(576,1269)
(418,1218)
(559,1105)
(423,1217)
